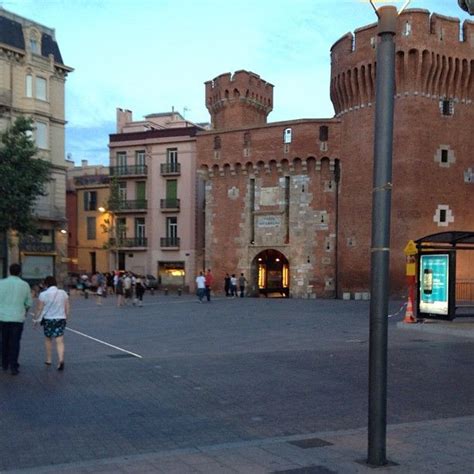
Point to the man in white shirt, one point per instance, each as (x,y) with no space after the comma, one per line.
(127,287)
(201,286)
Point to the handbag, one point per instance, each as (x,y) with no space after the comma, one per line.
(45,310)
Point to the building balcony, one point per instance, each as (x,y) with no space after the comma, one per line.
(170,169)
(138,205)
(129,170)
(33,245)
(169,243)
(5,97)
(169,205)
(129,242)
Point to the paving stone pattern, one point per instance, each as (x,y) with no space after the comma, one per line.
(228,387)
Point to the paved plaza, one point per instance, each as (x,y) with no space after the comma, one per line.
(238,385)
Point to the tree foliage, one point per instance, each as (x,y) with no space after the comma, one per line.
(23,177)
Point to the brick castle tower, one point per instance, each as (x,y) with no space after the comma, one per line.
(433,185)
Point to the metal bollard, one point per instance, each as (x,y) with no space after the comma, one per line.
(179,291)
(166,291)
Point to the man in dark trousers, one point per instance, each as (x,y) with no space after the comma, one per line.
(242,282)
(15,300)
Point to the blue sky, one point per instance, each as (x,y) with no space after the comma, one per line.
(151,55)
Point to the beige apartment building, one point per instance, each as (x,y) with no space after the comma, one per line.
(89,229)
(153,164)
(32,82)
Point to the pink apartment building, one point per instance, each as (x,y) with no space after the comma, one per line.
(153,162)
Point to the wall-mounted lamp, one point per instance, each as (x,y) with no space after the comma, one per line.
(61,226)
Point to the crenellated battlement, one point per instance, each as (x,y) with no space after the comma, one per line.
(239,99)
(434,58)
(285,167)
(413,24)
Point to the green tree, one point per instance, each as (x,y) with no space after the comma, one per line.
(112,205)
(23,177)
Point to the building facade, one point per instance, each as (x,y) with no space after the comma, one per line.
(89,227)
(32,82)
(289,204)
(153,166)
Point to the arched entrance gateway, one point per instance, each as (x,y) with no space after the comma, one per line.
(271,269)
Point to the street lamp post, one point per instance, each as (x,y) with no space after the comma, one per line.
(380,249)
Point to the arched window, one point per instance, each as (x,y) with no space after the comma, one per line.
(29,85)
(287,135)
(217,143)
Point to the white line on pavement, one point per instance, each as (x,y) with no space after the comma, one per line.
(105,343)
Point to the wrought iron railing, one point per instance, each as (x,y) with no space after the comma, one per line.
(132,205)
(166,242)
(169,204)
(128,170)
(128,242)
(168,169)
(33,245)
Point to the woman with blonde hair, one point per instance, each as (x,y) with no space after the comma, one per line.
(52,310)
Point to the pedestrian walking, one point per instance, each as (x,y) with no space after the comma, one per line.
(52,311)
(242,283)
(209,280)
(119,292)
(200,286)
(101,293)
(15,300)
(139,290)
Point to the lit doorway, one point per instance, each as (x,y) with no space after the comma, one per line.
(273,274)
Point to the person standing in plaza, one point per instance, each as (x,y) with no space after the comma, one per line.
(242,283)
(233,286)
(200,286)
(119,291)
(52,310)
(15,300)
(209,281)
(127,287)
(227,284)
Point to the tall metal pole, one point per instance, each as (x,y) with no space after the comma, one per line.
(381,206)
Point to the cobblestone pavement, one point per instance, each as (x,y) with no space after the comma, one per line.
(237,385)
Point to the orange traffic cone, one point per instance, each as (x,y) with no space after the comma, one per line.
(409,316)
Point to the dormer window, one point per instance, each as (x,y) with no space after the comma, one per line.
(34,45)
(34,42)
(287,135)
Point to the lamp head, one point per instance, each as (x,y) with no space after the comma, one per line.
(467,5)
(101,209)
(393,3)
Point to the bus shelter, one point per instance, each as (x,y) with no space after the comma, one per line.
(436,277)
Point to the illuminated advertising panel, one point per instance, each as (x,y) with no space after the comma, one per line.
(434,284)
